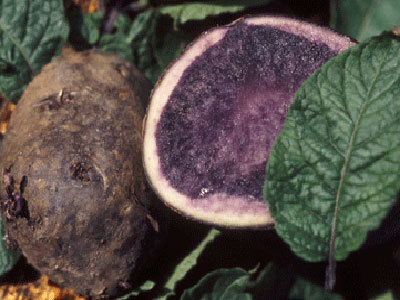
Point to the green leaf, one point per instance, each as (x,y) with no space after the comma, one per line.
(155,43)
(217,285)
(149,42)
(364,18)
(187,264)
(85,29)
(120,41)
(388,295)
(168,46)
(273,282)
(143,36)
(32,32)
(146,286)
(305,290)
(8,257)
(333,173)
(134,41)
(201,10)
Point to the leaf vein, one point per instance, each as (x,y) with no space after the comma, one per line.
(311,236)
(331,259)
(17,44)
(319,176)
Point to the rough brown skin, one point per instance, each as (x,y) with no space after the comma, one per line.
(76,136)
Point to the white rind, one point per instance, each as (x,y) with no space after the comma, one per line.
(214,210)
(312,32)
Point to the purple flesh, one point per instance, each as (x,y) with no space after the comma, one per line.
(221,120)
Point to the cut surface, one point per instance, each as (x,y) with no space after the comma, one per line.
(214,116)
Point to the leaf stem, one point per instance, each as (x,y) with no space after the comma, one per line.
(330,273)
(330,279)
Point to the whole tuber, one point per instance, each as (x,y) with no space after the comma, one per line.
(78,204)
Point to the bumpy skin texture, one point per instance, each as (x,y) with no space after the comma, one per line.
(86,218)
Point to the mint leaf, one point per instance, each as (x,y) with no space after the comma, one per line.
(333,173)
(200,11)
(364,19)
(31,33)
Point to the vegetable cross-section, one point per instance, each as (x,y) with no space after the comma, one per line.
(217,110)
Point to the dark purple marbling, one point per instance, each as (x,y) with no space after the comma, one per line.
(222,118)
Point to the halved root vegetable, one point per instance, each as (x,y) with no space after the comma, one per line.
(217,110)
